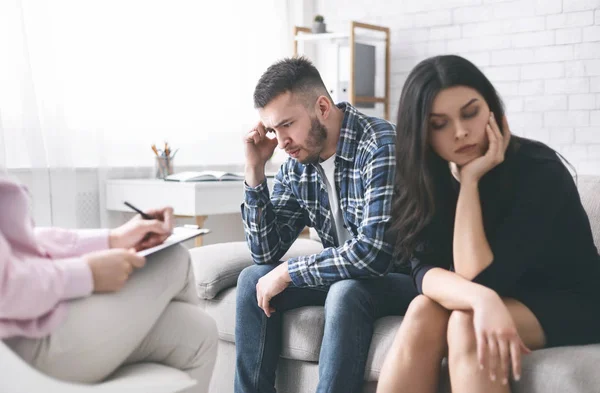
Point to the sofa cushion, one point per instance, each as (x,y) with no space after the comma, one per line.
(303,330)
(217,266)
(564,369)
(589,190)
(222,309)
(383,337)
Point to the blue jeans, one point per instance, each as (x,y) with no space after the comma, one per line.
(351,307)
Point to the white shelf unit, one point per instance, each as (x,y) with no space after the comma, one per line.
(358,33)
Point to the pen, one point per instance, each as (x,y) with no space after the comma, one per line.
(144,215)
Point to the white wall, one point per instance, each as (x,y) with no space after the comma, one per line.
(543,56)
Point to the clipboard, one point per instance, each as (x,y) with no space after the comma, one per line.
(180,234)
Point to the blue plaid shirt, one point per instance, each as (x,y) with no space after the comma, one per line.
(364,177)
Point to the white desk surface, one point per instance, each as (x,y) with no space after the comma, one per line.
(186,198)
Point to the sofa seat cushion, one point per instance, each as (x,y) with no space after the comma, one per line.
(222,309)
(563,369)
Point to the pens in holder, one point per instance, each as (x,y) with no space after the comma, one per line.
(160,173)
(164,160)
(141,213)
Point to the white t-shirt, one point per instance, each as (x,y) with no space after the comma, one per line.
(328,169)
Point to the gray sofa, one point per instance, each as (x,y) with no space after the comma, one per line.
(568,369)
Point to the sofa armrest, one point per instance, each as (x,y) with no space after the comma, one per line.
(217,266)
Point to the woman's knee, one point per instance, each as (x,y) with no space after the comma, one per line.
(461,335)
(424,325)
(175,260)
(201,334)
(167,274)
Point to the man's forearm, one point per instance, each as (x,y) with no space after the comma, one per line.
(254,176)
(359,260)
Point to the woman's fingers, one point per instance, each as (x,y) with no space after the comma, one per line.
(515,355)
(492,356)
(503,135)
(505,359)
(501,142)
(482,351)
(493,142)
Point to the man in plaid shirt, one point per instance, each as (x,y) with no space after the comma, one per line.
(339,179)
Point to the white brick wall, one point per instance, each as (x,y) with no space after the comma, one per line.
(543,56)
(568,36)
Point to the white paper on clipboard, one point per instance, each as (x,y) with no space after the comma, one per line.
(180,234)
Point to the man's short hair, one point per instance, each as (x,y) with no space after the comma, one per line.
(296,75)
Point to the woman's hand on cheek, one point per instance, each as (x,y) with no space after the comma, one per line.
(498,143)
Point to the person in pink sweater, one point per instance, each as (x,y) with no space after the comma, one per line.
(78,304)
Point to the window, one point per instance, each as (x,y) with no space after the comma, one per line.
(96,83)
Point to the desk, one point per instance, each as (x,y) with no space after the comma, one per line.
(191,199)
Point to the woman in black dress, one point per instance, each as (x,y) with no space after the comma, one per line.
(500,247)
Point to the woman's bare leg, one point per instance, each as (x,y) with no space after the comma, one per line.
(414,360)
(465,373)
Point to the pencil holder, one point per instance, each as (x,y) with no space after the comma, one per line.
(163,167)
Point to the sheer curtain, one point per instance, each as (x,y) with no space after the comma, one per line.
(94,84)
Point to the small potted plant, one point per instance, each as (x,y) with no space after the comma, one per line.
(319,25)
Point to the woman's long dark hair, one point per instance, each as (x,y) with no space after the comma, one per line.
(418,168)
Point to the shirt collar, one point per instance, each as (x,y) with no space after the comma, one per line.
(347,144)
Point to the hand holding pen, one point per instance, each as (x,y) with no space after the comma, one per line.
(148,229)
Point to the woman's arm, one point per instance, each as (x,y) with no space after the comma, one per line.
(60,243)
(498,342)
(453,291)
(31,287)
(471,250)
(136,233)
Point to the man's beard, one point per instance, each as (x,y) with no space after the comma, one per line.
(315,142)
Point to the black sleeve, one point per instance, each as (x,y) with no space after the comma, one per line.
(418,269)
(435,251)
(519,241)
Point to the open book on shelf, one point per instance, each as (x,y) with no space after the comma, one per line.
(205,176)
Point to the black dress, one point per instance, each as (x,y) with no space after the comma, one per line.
(540,235)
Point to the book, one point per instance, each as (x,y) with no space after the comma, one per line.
(205,176)
(180,234)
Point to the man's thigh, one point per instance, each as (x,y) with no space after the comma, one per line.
(391,294)
(292,297)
